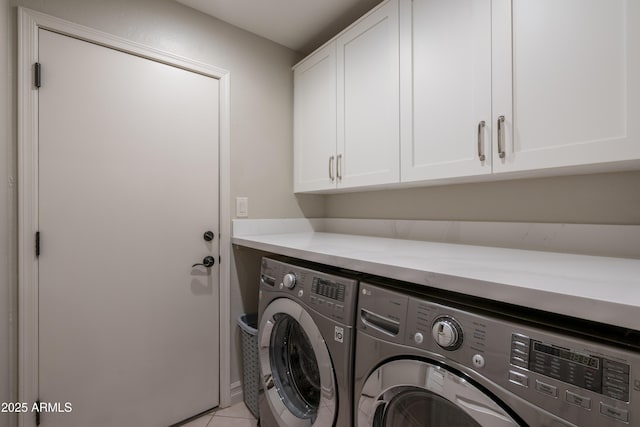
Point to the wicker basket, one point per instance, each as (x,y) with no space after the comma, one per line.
(251,360)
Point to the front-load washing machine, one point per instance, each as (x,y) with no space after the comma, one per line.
(305,338)
(436,359)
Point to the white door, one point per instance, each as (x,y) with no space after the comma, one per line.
(446,88)
(314,128)
(128,184)
(565,79)
(369,100)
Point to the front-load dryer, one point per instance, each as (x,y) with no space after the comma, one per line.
(436,359)
(306,342)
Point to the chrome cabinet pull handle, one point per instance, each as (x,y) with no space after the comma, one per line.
(481,155)
(501,151)
(339,167)
(331,177)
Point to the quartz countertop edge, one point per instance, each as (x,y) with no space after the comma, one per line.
(601,289)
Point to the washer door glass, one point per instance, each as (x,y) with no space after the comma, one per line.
(410,393)
(417,408)
(297,372)
(294,367)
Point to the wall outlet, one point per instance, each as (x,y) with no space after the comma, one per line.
(242,207)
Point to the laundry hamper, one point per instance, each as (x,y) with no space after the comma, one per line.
(250,358)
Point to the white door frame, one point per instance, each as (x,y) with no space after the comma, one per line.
(29,22)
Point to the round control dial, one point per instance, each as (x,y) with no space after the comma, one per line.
(447,332)
(289,280)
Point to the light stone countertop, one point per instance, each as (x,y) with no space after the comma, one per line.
(602,289)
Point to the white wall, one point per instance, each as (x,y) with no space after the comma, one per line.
(261,122)
(610,198)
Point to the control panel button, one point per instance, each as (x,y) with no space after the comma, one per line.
(519,344)
(613,412)
(518,378)
(519,362)
(576,399)
(329,305)
(546,389)
(520,351)
(300,293)
(313,299)
(617,393)
(615,380)
(478,361)
(418,338)
(339,308)
(615,366)
(520,341)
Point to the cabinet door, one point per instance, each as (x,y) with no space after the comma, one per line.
(314,113)
(567,81)
(368,100)
(445,88)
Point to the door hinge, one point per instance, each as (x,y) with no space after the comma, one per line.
(37,75)
(37,243)
(38,412)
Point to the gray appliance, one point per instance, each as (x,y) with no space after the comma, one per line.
(435,360)
(305,339)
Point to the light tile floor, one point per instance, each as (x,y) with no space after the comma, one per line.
(235,416)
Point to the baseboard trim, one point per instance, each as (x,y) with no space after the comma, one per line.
(237,395)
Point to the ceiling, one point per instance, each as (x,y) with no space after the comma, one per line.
(301,25)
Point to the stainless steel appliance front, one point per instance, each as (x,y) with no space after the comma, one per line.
(422,362)
(305,336)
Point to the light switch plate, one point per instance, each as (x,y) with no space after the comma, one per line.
(242,207)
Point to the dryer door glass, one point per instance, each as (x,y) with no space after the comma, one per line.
(294,367)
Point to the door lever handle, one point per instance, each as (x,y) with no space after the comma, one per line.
(207,262)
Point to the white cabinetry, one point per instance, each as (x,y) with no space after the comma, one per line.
(446,88)
(560,77)
(368,100)
(566,77)
(346,108)
(314,129)
(433,91)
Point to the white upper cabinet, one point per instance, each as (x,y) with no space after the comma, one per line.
(368,100)
(566,79)
(436,91)
(445,88)
(346,107)
(314,126)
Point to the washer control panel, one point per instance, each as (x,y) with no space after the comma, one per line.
(591,372)
(329,294)
(590,380)
(580,381)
